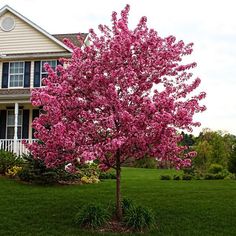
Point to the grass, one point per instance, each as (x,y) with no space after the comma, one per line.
(182,207)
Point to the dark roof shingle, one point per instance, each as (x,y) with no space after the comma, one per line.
(71,37)
(15,91)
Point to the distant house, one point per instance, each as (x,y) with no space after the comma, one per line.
(24,48)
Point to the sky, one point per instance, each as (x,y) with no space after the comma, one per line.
(209,24)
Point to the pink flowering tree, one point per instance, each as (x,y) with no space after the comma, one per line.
(127,94)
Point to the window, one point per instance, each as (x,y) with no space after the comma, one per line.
(16,74)
(52,63)
(11,124)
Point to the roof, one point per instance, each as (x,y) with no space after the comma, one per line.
(7,95)
(72,37)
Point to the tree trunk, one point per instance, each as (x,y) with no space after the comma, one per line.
(118,193)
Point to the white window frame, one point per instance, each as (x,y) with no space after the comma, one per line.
(18,125)
(42,68)
(9,74)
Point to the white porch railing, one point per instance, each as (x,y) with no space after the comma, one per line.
(20,148)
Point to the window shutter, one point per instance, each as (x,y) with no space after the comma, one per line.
(25,128)
(3,119)
(35,114)
(37,72)
(27,74)
(5,71)
(58,63)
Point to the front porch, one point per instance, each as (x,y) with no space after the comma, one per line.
(16,125)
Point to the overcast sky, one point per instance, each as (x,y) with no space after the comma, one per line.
(210,24)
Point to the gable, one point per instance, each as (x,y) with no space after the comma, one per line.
(24,38)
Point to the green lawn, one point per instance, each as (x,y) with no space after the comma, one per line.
(188,208)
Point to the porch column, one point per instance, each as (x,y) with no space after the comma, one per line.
(16,127)
(30,123)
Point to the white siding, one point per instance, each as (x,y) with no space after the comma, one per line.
(25,39)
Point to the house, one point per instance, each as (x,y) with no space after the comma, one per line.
(24,48)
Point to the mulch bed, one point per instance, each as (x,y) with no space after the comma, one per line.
(72,182)
(115,226)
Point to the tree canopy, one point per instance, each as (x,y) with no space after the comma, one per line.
(127,92)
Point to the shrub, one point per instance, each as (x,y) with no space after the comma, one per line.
(24,175)
(94,179)
(7,161)
(146,162)
(230,176)
(219,176)
(89,180)
(139,218)
(215,168)
(107,175)
(189,171)
(67,176)
(210,176)
(34,170)
(198,175)
(92,216)
(187,177)
(30,175)
(176,177)
(85,180)
(165,177)
(224,172)
(13,171)
(88,169)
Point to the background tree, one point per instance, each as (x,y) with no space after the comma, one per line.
(232,161)
(213,147)
(188,139)
(230,141)
(204,155)
(125,95)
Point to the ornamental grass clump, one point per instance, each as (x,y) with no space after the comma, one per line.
(139,218)
(126,204)
(92,216)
